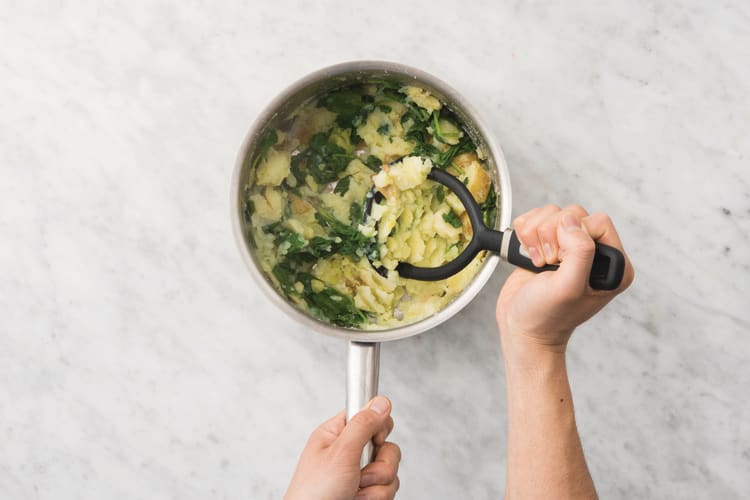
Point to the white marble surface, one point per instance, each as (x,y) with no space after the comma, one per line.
(139,361)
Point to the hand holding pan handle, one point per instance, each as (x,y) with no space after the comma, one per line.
(362,371)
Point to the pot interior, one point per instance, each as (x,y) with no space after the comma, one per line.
(322,82)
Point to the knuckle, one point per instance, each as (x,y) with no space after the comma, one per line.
(602,218)
(518,222)
(578,209)
(547,232)
(551,208)
(364,418)
(527,235)
(585,247)
(389,475)
(317,434)
(396,451)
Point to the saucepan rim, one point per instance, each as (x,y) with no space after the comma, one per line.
(495,158)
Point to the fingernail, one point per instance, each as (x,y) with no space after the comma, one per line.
(367,480)
(571,223)
(379,405)
(547,250)
(534,255)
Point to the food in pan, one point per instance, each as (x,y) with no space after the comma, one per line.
(305,202)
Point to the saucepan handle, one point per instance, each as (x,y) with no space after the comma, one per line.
(362,370)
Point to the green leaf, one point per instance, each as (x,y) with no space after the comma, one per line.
(342,186)
(346,103)
(267,140)
(286,240)
(393,94)
(323,160)
(336,307)
(328,304)
(373,163)
(452,219)
(354,137)
(464,146)
(384,129)
(489,208)
(298,167)
(416,121)
(440,193)
(457,168)
(286,277)
(352,242)
(356,213)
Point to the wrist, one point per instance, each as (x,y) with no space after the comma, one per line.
(531,351)
(530,367)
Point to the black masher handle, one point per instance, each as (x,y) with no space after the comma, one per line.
(606,271)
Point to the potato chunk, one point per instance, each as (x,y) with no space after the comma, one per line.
(273,170)
(421,98)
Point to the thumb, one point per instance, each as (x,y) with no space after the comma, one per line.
(576,256)
(364,425)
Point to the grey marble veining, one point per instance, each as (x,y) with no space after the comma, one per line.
(137,359)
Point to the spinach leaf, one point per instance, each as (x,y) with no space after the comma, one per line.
(323,160)
(428,151)
(489,208)
(342,239)
(458,169)
(249,209)
(440,193)
(347,240)
(361,116)
(342,186)
(356,213)
(384,129)
(416,120)
(297,167)
(439,134)
(464,146)
(393,94)
(328,303)
(336,307)
(452,219)
(354,137)
(286,240)
(346,103)
(373,163)
(267,140)
(287,278)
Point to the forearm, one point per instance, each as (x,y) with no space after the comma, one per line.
(545,457)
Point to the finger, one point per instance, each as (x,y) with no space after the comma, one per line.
(327,432)
(379,492)
(576,256)
(602,229)
(526,229)
(364,425)
(547,232)
(383,433)
(385,467)
(524,217)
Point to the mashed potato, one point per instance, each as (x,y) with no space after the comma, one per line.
(304,205)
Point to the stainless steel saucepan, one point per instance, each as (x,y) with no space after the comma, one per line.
(364,345)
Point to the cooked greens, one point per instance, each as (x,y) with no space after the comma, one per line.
(305,202)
